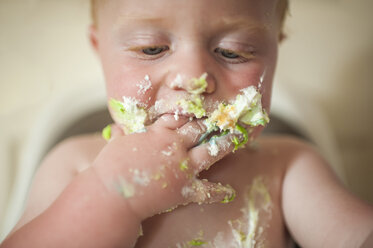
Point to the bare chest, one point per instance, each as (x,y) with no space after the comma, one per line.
(253,219)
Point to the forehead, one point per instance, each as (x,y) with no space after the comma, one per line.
(222,11)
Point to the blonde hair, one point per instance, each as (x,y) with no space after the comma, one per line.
(282,10)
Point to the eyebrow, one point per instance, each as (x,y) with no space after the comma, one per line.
(144,19)
(242,23)
(226,23)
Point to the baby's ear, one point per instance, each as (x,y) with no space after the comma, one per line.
(93,37)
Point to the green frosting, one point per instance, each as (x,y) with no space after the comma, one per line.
(196,242)
(106,133)
(245,135)
(228,199)
(116,106)
(199,85)
(255,117)
(246,109)
(193,106)
(184,165)
(129,115)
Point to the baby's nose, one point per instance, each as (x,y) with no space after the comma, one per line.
(193,83)
(191,62)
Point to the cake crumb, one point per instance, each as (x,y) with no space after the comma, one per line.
(144,85)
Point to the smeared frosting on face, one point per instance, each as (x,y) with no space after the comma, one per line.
(144,85)
(246,109)
(129,114)
(177,82)
(193,106)
(198,85)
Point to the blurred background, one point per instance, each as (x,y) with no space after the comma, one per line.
(327,56)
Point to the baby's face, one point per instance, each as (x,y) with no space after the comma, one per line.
(150,50)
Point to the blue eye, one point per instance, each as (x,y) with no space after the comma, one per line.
(232,57)
(154,50)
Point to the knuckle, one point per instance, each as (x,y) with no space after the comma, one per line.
(201,126)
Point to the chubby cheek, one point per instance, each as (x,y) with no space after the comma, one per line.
(267,95)
(258,74)
(122,81)
(248,76)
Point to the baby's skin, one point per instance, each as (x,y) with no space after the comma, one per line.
(163,187)
(85,201)
(133,193)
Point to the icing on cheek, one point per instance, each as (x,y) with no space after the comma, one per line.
(144,85)
(130,86)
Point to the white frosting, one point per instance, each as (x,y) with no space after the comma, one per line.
(213,148)
(177,82)
(127,189)
(141,178)
(136,117)
(144,85)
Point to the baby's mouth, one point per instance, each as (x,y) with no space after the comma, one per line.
(182,107)
(239,116)
(154,114)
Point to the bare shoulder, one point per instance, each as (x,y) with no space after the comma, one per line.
(314,202)
(290,145)
(299,160)
(57,170)
(299,157)
(268,156)
(290,149)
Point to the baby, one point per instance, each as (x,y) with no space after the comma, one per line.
(188,85)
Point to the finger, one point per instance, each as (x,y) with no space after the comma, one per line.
(203,191)
(205,155)
(191,132)
(170,122)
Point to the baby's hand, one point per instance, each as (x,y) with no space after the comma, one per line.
(157,170)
